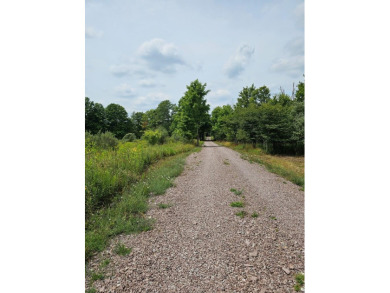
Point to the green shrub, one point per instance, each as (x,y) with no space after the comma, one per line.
(180,135)
(151,136)
(129,137)
(105,140)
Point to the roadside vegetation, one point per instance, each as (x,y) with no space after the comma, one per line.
(119,178)
(130,157)
(291,168)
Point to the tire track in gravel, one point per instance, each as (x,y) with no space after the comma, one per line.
(200,245)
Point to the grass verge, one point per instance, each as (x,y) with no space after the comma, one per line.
(127,213)
(290,168)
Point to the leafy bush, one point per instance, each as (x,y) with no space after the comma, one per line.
(100,140)
(151,136)
(129,137)
(156,136)
(180,135)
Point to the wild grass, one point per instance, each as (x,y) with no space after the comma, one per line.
(237,204)
(300,279)
(254,215)
(126,213)
(241,214)
(97,276)
(289,167)
(121,249)
(109,171)
(164,205)
(104,263)
(235,191)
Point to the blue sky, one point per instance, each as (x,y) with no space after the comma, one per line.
(138,53)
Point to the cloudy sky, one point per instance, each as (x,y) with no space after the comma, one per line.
(141,52)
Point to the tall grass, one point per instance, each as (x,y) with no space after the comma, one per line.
(289,167)
(118,183)
(109,171)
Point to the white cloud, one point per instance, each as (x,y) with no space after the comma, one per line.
(120,70)
(91,33)
(237,63)
(148,83)
(219,93)
(219,97)
(149,101)
(132,68)
(124,90)
(295,47)
(292,66)
(160,55)
(293,62)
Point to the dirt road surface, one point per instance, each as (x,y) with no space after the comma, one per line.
(200,245)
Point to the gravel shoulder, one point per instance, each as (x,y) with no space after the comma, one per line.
(200,245)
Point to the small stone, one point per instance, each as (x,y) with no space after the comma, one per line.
(253,253)
(286,270)
(262,290)
(247,242)
(253,278)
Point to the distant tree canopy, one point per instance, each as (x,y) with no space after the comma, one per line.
(276,123)
(192,113)
(118,121)
(95,117)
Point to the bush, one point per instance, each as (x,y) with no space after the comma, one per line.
(156,136)
(129,137)
(105,140)
(151,136)
(180,135)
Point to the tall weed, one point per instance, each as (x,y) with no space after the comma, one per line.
(109,171)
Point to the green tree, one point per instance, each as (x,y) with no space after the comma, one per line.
(219,126)
(300,94)
(252,95)
(163,114)
(249,123)
(94,117)
(263,95)
(118,121)
(150,119)
(193,110)
(136,119)
(275,126)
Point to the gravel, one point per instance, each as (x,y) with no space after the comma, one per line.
(200,245)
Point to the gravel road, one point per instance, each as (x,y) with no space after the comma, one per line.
(200,245)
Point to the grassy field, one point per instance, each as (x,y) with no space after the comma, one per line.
(118,183)
(290,168)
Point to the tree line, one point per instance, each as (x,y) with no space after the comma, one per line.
(275,123)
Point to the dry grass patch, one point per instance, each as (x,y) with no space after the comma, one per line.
(290,167)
